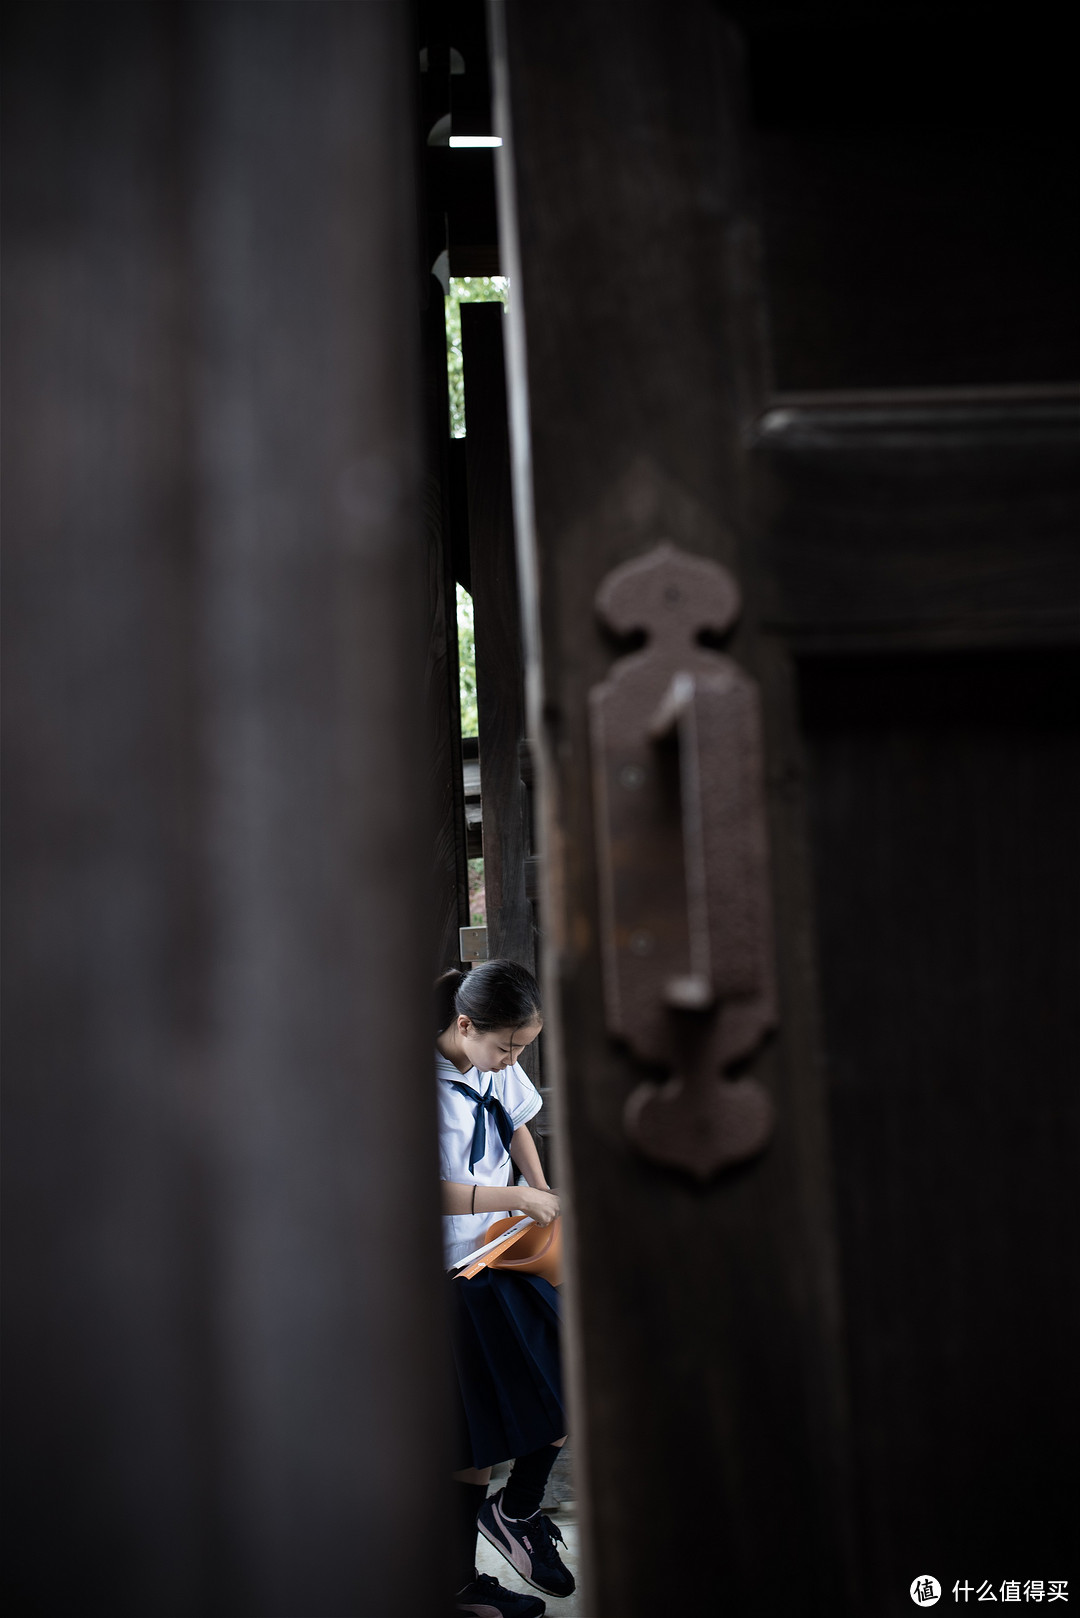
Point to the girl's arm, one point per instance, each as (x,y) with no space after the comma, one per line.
(524,1153)
(540,1204)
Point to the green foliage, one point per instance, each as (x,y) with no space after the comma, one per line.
(465,289)
(470,725)
(477,895)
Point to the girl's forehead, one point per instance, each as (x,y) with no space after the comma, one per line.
(516,1036)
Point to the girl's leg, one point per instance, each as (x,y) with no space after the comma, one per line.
(470,1492)
(526,1484)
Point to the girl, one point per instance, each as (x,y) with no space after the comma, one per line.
(505,1326)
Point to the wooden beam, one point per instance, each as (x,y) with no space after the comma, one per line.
(920,520)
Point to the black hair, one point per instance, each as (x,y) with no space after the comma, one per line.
(495,994)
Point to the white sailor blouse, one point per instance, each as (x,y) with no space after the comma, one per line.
(478,1114)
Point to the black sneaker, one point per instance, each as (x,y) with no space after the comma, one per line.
(527,1545)
(485,1597)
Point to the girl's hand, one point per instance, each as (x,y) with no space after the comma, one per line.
(541,1206)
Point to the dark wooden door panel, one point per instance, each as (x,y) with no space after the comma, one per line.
(798,1387)
(945,797)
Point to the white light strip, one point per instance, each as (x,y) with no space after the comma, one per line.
(475,140)
(478,1252)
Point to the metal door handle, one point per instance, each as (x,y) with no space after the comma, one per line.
(683,862)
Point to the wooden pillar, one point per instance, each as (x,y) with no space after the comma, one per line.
(223,1380)
(443,741)
(505,760)
(500,686)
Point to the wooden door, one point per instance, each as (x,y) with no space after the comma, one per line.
(792,297)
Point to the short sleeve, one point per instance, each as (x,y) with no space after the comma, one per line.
(518,1095)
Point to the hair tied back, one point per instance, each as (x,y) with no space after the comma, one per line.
(446,988)
(495,994)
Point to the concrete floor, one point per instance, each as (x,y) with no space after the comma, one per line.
(560,1507)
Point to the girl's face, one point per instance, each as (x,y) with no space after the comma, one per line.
(499,1048)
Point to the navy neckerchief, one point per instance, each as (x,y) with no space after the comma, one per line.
(484,1105)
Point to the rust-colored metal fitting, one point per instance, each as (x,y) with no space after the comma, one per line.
(683,861)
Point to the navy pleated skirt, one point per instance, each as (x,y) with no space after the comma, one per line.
(505,1337)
